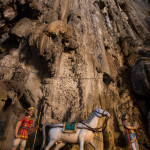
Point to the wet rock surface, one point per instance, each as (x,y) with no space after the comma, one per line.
(68,56)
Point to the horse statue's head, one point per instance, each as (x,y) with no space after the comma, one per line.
(99,112)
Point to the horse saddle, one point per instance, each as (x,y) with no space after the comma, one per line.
(69,127)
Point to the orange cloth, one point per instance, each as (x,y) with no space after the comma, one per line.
(25,126)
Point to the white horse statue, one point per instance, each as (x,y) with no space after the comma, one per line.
(84,133)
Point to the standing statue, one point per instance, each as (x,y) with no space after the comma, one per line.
(84,132)
(130,131)
(23,127)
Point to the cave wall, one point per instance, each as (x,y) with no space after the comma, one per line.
(68,56)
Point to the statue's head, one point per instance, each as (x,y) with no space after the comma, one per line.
(30,111)
(125,116)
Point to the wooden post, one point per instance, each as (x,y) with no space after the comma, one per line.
(36,131)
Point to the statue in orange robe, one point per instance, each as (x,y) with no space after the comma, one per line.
(23,127)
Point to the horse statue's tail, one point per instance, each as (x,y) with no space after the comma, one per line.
(43,128)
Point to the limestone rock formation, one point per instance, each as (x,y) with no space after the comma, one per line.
(3,95)
(23,28)
(68,56)
(141,77)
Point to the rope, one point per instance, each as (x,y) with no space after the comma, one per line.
(97,129)
(88,127)
(92,129)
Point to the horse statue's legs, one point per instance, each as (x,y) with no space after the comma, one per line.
(50,144)
(93,144)
(60,145)
(81,141)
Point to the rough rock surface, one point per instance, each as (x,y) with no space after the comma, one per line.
(70,55)
(141,77)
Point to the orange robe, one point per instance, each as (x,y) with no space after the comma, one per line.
(24,129)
